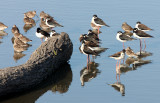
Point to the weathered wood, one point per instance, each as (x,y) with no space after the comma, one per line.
(51,54)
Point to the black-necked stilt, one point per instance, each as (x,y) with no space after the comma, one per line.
(123,38)
(140,35)
(118,56)
(87,50)
(98,22)
(53,33)
(42,34)
(142,27)
(52,23)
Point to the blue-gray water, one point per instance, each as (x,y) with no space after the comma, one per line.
(141,85)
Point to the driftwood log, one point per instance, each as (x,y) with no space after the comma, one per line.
(41,64)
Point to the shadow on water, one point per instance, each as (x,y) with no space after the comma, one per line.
(59,81)
(87,74)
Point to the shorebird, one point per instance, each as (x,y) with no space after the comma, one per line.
(130,52)
(15,29)
(140,35)
(123,38)
(30,14)
(28,20)
(3,26)
(53,33)
(126,27)
(24,38)
(44,15)
(119,87)
(42,34)
(118,56)
(98,22)
(52,23)
(87,50)
(142,27)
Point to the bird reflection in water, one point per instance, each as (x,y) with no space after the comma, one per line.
(118,85)
(88,74)
(60,80)
(18,55)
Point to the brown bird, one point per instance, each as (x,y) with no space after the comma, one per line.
(142,27)
(130,52)
(126,27)
(15,29)
(3,26)
(28,20)
(44,15)
(30,14)
(24,38)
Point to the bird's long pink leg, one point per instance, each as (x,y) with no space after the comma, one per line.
(145,45)
(123,46)
(98,32)
(140,46)
(42,40)
(89,58)
(119,64)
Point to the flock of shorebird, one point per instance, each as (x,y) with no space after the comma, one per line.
(90,42)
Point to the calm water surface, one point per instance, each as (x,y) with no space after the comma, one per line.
(141,84)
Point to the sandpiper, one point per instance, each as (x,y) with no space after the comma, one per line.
(24,38)
(123,38)
(15,29)
(98,22)
(118,56)
(44,15)
(28,20)
(42,34)
(142,27)
(130,52)
(3,26)
(126,27)
(30,14)
(140,35)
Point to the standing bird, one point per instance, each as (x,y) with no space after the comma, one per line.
(53,33)
(28,20)
(123,38)
(87,50)
(44,15)
(142,27)
(118,56)
(98,22)
(130,52)
(15,29)
(42,34)
(126,27)
(52,23)
(30,14)
(3,26)
(140,35)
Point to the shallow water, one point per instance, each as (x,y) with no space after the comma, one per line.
(141,84)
